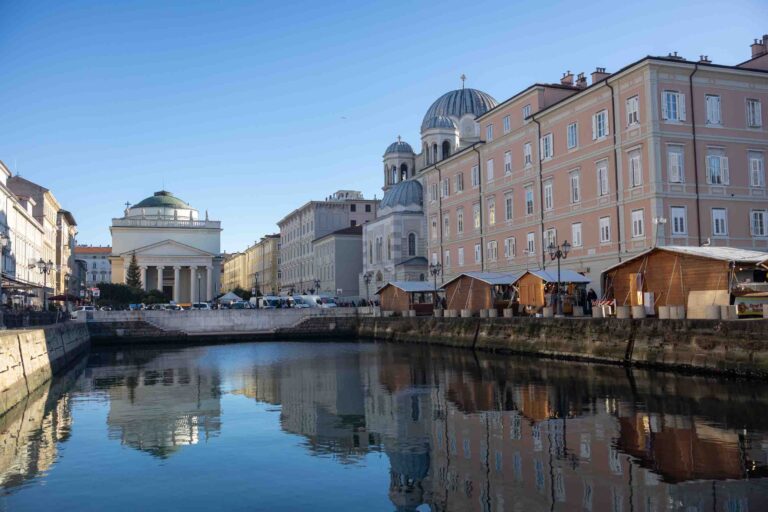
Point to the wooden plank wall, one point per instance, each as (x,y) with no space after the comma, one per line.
(468,293)
(531,291)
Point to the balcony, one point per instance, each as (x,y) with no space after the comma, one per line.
(165,222)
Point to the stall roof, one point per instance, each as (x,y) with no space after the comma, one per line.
(550,276)
(713,253)
(491,278)
(411,286)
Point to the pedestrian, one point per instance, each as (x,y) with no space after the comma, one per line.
(591,298)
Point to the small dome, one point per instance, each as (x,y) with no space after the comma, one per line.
(162,199)
(439,122)
(459,102)
(405,193)
(399,147)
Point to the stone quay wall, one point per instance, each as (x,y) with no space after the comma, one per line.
(29,358)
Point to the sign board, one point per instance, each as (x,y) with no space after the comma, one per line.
(95,292)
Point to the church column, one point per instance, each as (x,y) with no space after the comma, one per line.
(144,278)
(193,283)
(209,283)
(177,284)
(160,278)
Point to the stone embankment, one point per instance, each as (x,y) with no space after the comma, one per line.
(29,358)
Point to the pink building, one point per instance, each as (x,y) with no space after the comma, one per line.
(665,151)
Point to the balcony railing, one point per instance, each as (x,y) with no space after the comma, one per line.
(165,222)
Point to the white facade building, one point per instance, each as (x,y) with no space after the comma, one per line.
(97,266)
(176,252)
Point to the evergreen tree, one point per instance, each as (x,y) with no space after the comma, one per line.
(133,278)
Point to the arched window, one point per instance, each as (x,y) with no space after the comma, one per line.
(434,153)
(411,244)
(389,247)
(370,252)
(403,172)
(421,277)
(446,149)
(379,277)
(394,174)
(427,159)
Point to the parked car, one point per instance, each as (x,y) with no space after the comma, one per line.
(240,304)
(82,308)
(302,301)
(201,306)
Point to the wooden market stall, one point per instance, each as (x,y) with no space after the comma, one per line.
(480,290)
(686,276)
(536,286)
(408,295)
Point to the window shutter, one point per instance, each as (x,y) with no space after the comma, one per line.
(594,127)
(607,131)
(664,114)
(758,114)
(724,169)
(709,169)
(681,105)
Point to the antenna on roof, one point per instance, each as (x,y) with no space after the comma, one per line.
(398,138)
(463,78)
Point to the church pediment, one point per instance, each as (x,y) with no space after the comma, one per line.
(169,248)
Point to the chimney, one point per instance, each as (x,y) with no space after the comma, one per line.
(567,78)
(598,74)
(675,56)
(760,47)
(704,59)
(581,81)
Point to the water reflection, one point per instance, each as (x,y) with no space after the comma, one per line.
(460,431)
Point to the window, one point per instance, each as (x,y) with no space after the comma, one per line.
(717,167)
(549,202)
(507,126)
(758,222)
(459,182)
(527,157)
(489,170)
(510,247)
(719,222)
(605,230)
(600,125)
(433,223)
(756,168)
(713,108)
(353,207)
(530,246)
(475,176)
(573,135)
(367,208)
(679,216)
(526,111)
(550,238)
(434,258)
(447,258)
(576,234)
(411,244)
(478,253)
(433,191)
(638,227)
(575,187)
(602,178)
(446,189)
(493,251)
(476,215)
(460,256)
(491,211)
(529,200)
(489,133)
(460,220)
(508,162)
(673,106)
(446,225)
(546,147)
(508,206)
(754,114)
(633,111)
(675,169)
(635,169)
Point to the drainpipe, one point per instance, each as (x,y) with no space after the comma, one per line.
(541,192)
(616,157)
(440,213)
(695,153)
(480,193)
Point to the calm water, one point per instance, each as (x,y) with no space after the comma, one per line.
(300,426)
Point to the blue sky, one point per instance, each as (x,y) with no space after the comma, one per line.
(249,109)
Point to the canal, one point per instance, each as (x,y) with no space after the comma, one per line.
(364,426)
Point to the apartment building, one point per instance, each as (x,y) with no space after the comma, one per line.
(664,151)
(97,266)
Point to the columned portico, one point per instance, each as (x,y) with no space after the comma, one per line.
(160,283)
(144,284)
(177,284)
(193,283)
(209,282)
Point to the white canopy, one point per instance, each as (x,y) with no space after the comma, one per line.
(229,296)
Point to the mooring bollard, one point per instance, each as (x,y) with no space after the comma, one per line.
(508,313)
(638,312)
(548,312)
(492,313)
(623,312)
(466,313)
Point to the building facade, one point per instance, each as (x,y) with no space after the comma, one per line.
(338,263)
(345,208)
(97,266)
(257,267)
(663,152)
(177,253)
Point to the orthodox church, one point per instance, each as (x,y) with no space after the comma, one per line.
(394,245)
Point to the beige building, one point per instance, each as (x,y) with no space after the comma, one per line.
(255,267)
(232,271)
(338,263)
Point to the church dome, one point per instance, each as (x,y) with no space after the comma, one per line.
(399,147)
(405,193)
(458,103)
(162,199)
(439,122)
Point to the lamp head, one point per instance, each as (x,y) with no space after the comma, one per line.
(566,248)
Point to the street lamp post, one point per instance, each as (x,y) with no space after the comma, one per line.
(559,252)
(367,278)
(435,269)
(658,221)
(256,288)
(316,290)
(199,278)
(45,268)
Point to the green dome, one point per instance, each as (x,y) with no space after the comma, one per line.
(162,199)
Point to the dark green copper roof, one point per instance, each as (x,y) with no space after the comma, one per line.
(162,199)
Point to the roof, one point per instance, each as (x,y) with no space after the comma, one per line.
(439,122)
(352,230)
(415,260)
(69,217)
(85,249)
(405,193)
(459,102)
(728,254)
(162,199)
(399,147)
(411,286)
(491,278)
(550,276)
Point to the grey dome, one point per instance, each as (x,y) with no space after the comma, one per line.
(399,147)
(439,122)
(459,102)
(405,193)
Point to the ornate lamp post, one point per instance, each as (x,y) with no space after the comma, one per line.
(559,252)
(317,286)
(435,269)
(367,278)
(45,268)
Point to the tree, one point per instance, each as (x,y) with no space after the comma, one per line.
(133,279)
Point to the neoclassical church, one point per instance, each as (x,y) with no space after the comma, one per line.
(394,245)
(176,251)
